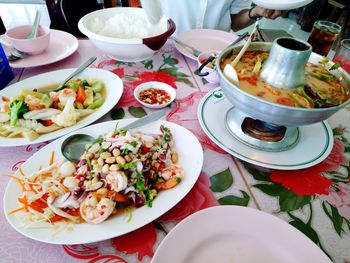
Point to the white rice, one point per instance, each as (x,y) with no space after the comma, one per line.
(127,26)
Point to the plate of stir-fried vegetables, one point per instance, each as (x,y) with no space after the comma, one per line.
(32,111)
(123,180)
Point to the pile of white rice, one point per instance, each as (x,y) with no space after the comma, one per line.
(127,26)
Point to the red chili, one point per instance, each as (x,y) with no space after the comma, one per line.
(144,149)
(154,96)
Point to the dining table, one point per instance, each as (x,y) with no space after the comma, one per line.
(314,200)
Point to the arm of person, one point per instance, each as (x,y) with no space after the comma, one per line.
(248,16)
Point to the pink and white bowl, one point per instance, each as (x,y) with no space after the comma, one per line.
(33,46)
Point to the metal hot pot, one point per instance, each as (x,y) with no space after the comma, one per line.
(285,67)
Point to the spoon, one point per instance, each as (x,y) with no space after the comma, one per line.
(35,27)
(153,10)
(229,70)
(75,145)
(74,73)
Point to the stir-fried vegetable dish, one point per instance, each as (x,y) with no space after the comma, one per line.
(35,112)
(322,88)
(118,171)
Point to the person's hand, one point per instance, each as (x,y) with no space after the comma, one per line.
(258,11)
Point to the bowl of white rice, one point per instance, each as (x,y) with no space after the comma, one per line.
(124,33)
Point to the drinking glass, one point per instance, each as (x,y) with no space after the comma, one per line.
(323,35)
(342,55)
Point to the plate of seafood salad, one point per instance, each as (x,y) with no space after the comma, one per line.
(32,112)
(123,181)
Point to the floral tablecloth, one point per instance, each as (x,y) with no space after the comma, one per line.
(315,200)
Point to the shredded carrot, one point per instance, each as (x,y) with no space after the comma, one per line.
(23,200)
(20,181)
(52,157)
(17,210)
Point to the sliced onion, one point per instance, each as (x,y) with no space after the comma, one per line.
(66,200)
(58,211)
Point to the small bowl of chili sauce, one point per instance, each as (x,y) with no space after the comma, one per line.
(154,94)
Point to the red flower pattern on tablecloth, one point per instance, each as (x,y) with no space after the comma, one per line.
(140,241)
(198,198)
(155,76)
(336,157)
(310,181)
(118,71)
(91,253)
(106,63)
(339,199)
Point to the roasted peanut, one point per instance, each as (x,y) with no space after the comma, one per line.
(105,155)
(116,152)
(105,168)
(110,160)
(174,157)
(120,160)
(114,167)
(100,161)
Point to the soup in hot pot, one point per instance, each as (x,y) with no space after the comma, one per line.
(322,89)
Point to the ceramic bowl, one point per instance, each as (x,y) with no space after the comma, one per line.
(33,46)
(170,91)
(213,76)
(126,48)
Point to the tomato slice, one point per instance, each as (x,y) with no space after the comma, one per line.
(285,101)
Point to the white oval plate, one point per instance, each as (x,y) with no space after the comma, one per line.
(281,5)
(236,234)
(114,90)
(190,159)
(312,147)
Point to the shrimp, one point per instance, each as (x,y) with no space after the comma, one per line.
(95,209)
(117,180)
(172,176)
(5,106)
(33,103)
(63,95)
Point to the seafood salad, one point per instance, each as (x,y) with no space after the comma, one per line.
(35,112)
(118,171)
